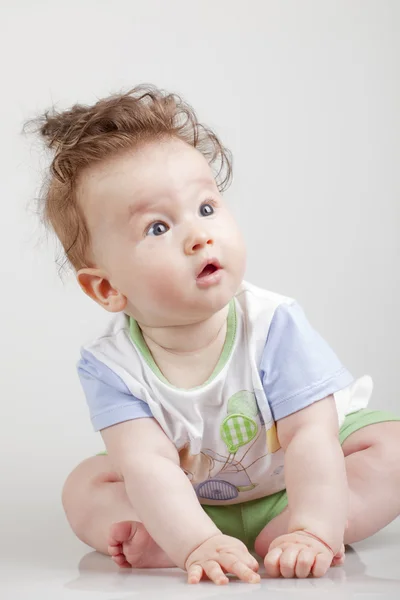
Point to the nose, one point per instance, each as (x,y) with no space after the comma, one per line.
(197,240)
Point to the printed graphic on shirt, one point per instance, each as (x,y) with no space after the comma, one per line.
(273,444)
(197,467)
(223,477)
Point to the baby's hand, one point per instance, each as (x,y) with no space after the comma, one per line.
(299,555)
(219,555)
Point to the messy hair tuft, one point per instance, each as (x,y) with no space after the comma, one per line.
(84,136)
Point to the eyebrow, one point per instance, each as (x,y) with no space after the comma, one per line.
(147,205)
(141,207)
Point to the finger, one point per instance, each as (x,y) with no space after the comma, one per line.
(288,561)
(254,564)
(195,573)
(271,562)
(283,546)
(214,572)
(322,564)
(305,562)
(237,567)
(251,562)
(279,542)
(339,558)
(337,561)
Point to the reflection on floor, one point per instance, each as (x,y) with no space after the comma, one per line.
(371,571)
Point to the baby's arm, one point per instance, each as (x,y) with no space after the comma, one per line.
(315,476)
(315,472)
(157,488)
(167,505)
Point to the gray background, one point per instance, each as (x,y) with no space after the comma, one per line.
(305,93)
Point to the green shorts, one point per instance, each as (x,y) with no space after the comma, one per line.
(246,519)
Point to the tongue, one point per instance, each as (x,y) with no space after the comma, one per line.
(207,270)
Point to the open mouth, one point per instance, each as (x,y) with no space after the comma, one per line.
(208,270)
(209,273)
(209,267)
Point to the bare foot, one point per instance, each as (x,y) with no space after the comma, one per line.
(130,545)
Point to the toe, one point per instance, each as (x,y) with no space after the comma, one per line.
(121,561)
(115,550)
(121,532)
(119,535)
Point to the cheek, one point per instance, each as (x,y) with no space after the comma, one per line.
(235,253)
(160,272)
(234,240)
(164,287)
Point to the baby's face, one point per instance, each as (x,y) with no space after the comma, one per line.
(155,218)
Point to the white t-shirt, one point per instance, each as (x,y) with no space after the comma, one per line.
(273,364)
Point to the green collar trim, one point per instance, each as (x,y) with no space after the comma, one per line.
(140,343)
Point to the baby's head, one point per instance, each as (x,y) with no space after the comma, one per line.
(135,198)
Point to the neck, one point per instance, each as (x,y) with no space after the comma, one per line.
(188,339)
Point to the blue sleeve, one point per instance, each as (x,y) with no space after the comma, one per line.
(108,398)
(298,367)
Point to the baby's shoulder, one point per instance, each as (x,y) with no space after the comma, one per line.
(114,334)
(257,308)
(113,348)
(257,302)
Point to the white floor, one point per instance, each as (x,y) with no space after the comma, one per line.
(40,558)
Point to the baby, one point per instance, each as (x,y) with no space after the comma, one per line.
(231,427)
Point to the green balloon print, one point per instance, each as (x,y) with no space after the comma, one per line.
(238,430)
(243,403)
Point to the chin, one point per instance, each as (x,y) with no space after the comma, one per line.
(217,298)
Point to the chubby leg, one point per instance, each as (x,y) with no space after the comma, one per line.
(372,457)
(100,515)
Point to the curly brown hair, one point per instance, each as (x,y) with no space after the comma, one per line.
(87,135)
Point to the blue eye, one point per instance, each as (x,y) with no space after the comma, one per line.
(157,228)
(206,210)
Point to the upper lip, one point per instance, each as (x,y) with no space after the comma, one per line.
(208,261)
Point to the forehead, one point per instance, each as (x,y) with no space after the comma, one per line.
(151,172)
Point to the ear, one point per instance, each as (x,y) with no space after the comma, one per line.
(96,285)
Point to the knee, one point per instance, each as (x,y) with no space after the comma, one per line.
(387,451)
(73,493)
(79,491)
